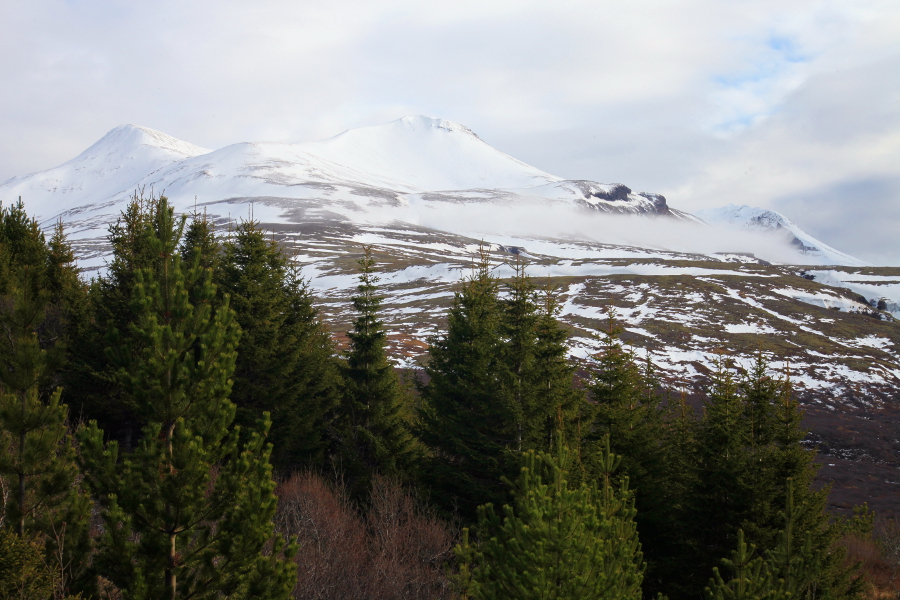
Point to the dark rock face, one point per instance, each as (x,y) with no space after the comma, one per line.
(616,192)
(798,243)
(659,202)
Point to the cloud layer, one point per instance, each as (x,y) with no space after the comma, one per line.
(792,106)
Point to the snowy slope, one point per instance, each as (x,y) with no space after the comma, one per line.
(750,218)
(412,155)
(114,165)
(428,154)
(416,170)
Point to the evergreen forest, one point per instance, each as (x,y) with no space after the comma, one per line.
(184,425)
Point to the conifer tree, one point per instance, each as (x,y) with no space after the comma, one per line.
(37,455)
(626,407)
(554,379)
(536,380)
(498,379)
(789,570)
(187,514)
(23,245)
(462,421)
(373,435)
(201,243)
(285,363)
(517,365)
(719,502)
(556,541)
(23,574)
(91,379)
(748,445)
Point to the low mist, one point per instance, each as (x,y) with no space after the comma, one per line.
(531,219)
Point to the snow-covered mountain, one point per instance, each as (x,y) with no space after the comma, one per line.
(416,170)
(750,218)
(357,170)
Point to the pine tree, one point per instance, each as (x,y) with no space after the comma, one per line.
(374,435)
(37,462)
(285,363)
(189,513)
(555,541)
(462,421)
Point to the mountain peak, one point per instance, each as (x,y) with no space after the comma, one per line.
(429,154)
(127,139)
(420,121)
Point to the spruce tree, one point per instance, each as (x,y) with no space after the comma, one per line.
(187,514)
(517,365)
(285,364)
(556,541)
(554,379)
(37,461)
(536,381)
(789,570)
(626,407)
(467,428)
(23,572)
(201,243)
(90,378)
(374,438)
(498,380)
(23,245)
(748,445)
(718,503)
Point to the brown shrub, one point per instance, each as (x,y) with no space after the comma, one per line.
(879,558)
(396,550)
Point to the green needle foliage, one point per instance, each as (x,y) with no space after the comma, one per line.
(189,513)
(37,461)
(556,542)
(790,570)
(626,407)
(462,421)
(535,379)
(497,382)
(285,364)
(91,379)
(374,437)
(747,445)
(23,575)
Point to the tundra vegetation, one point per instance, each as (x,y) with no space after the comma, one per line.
(184,426)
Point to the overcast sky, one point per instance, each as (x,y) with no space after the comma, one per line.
(791,105)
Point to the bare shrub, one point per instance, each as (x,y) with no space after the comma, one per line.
(331,563)
(879,558)
(394,551)
(408,545)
